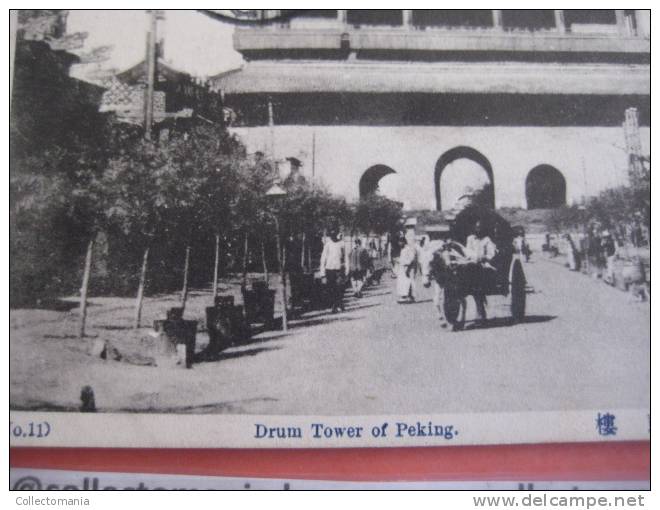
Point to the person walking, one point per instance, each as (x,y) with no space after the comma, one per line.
(594,252)
(609,254)
(405,282)
(572,253)
(358,265)
(521,247)
(396,244)
(332,260)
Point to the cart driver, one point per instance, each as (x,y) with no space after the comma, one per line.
(480,250)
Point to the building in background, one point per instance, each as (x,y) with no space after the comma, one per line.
(534,100)
(126,93)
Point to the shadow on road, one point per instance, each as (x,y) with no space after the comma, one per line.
(115,327)
(234,406)
(505,322)
(262,340)
(324,319)
(360,307)
(37,405)
(61,337)
(376,294)
(56,305)
(206,356)
(416,302)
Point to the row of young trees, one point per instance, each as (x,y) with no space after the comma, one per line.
(91,195)
(613,208)
(148,204)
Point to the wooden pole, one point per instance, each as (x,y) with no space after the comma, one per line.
(309,256)
(140,294)
(264,262)
(271,126)
(13,28)
(184,291)
(245,259)
(151,71)
(85,286)
(281,260)
(313,157)
(302,252)
(215,265)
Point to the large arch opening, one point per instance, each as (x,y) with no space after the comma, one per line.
(545,188)
(463,172)
(378,179)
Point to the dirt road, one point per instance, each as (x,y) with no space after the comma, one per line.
(582,346)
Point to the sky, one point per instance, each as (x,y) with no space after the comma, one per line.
(194,42)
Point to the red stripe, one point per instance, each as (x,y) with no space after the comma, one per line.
(579,461)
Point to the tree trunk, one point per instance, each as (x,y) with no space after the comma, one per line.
(263,260)
(245,259)
(285,321)
(281,258)
(140,294)
(184,291)
(215,265)
(302,253)
(84,288)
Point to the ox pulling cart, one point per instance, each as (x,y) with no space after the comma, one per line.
(461,276)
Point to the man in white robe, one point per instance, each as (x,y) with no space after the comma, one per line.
(407,271)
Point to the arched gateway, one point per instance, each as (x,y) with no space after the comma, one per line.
(545,188)
(345,89)
(463,152)
(371,178)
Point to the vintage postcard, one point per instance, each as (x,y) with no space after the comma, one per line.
(329,228)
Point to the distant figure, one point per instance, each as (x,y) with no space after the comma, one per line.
(634,275)
(636,234)
(609,255)
(407,270)
(520,246)
(87,401)
(397,242)
(595,253)
(373,257)
(332,260)
(572,254)
(373,250)
(359,262)
(583,245)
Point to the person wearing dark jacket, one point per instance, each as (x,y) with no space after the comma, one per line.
(359,262)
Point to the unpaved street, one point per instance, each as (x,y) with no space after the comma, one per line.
(583,346)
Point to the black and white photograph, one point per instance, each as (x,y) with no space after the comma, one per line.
(282,228)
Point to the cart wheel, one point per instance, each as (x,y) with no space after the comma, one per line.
(452,307)
(518,295)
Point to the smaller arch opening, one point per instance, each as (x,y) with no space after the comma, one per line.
(545,188)
(371,179)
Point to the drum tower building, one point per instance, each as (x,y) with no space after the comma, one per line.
(536,98)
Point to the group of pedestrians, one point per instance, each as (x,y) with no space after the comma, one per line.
(596,252)
(334,269)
